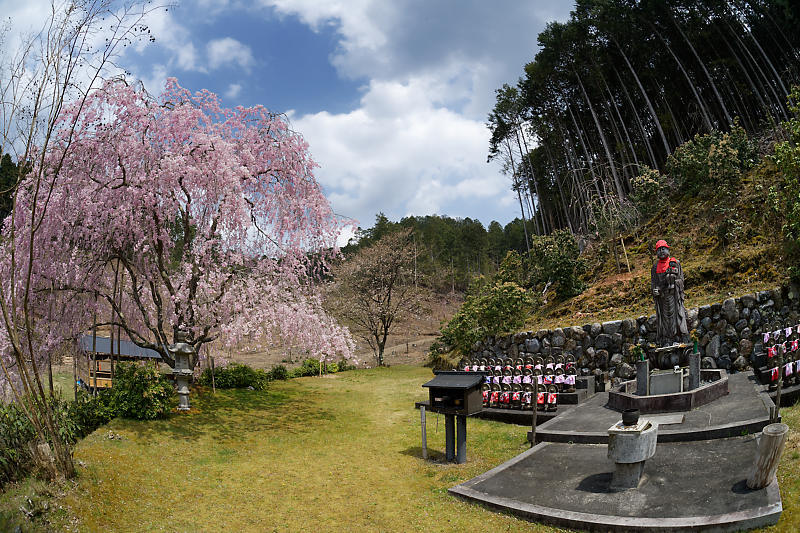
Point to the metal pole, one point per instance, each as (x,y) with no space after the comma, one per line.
(461,455)
(449,437)
(424,432)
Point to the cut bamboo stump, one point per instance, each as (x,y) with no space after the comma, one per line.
(770,446)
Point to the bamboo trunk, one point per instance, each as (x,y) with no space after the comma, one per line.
(765,464)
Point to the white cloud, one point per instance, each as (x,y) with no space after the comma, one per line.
(229,50)
(400,149)
(155,81)
(417,143)
(233,90)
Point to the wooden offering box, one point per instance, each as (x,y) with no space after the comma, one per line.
(456,392)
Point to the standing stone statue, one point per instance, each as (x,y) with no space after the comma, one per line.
(666,281)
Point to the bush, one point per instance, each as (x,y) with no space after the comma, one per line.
(16,432)
(237,376)
(74,420)
(310,367)
(650,191)
(554,259)
(332,368)
(141,392)
(344,366)
(88,412)
(488,309)
(715,158)
(787,159)
(278,373)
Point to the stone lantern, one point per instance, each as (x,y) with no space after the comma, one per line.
(183,354)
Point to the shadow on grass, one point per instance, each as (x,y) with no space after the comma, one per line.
(233,414)
(434,456)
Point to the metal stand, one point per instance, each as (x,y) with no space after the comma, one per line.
(461,440)
(449,437)
(424,432)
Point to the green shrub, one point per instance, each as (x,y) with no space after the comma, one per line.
(554,260)
(650,191)
(488,309)
(787,159)
(716,159)
(310,367)
(332,368)
(278,373)
(141,392)
(88,412)
(236,376)
(344,366)
(16,432)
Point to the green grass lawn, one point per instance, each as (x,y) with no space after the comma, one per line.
(312,454)
(325,454)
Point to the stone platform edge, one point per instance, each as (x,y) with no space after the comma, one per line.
(735,521)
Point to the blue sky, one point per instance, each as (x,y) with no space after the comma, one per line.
(392,96)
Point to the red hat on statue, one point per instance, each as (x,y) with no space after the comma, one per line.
(661,243)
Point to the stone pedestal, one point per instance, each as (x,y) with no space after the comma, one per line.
(629,447)
(642,378)
(694,370)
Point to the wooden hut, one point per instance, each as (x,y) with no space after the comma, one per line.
(99,359)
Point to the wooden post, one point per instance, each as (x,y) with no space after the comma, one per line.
(780,383)
(213,384)
(625,252)
(770,446)
(93,364)
(424,431)
(534,401)
(75,376)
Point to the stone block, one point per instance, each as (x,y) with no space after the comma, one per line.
(746,347)
(532,345)
(713,347)
(729,310)
(596,329)
(601,359)
(612,327)
(628,327)
(603,341)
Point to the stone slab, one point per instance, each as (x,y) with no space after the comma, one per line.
(686,486)
(666,420)
(744,410)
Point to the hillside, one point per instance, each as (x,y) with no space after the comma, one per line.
(692,225)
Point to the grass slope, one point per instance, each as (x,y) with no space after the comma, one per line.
(325,454)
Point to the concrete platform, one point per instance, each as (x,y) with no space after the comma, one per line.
(511,416)
(686,487)
(745,410)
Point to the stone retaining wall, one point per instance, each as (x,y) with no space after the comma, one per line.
(729,334)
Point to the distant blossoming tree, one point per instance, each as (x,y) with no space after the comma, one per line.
(181,215)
